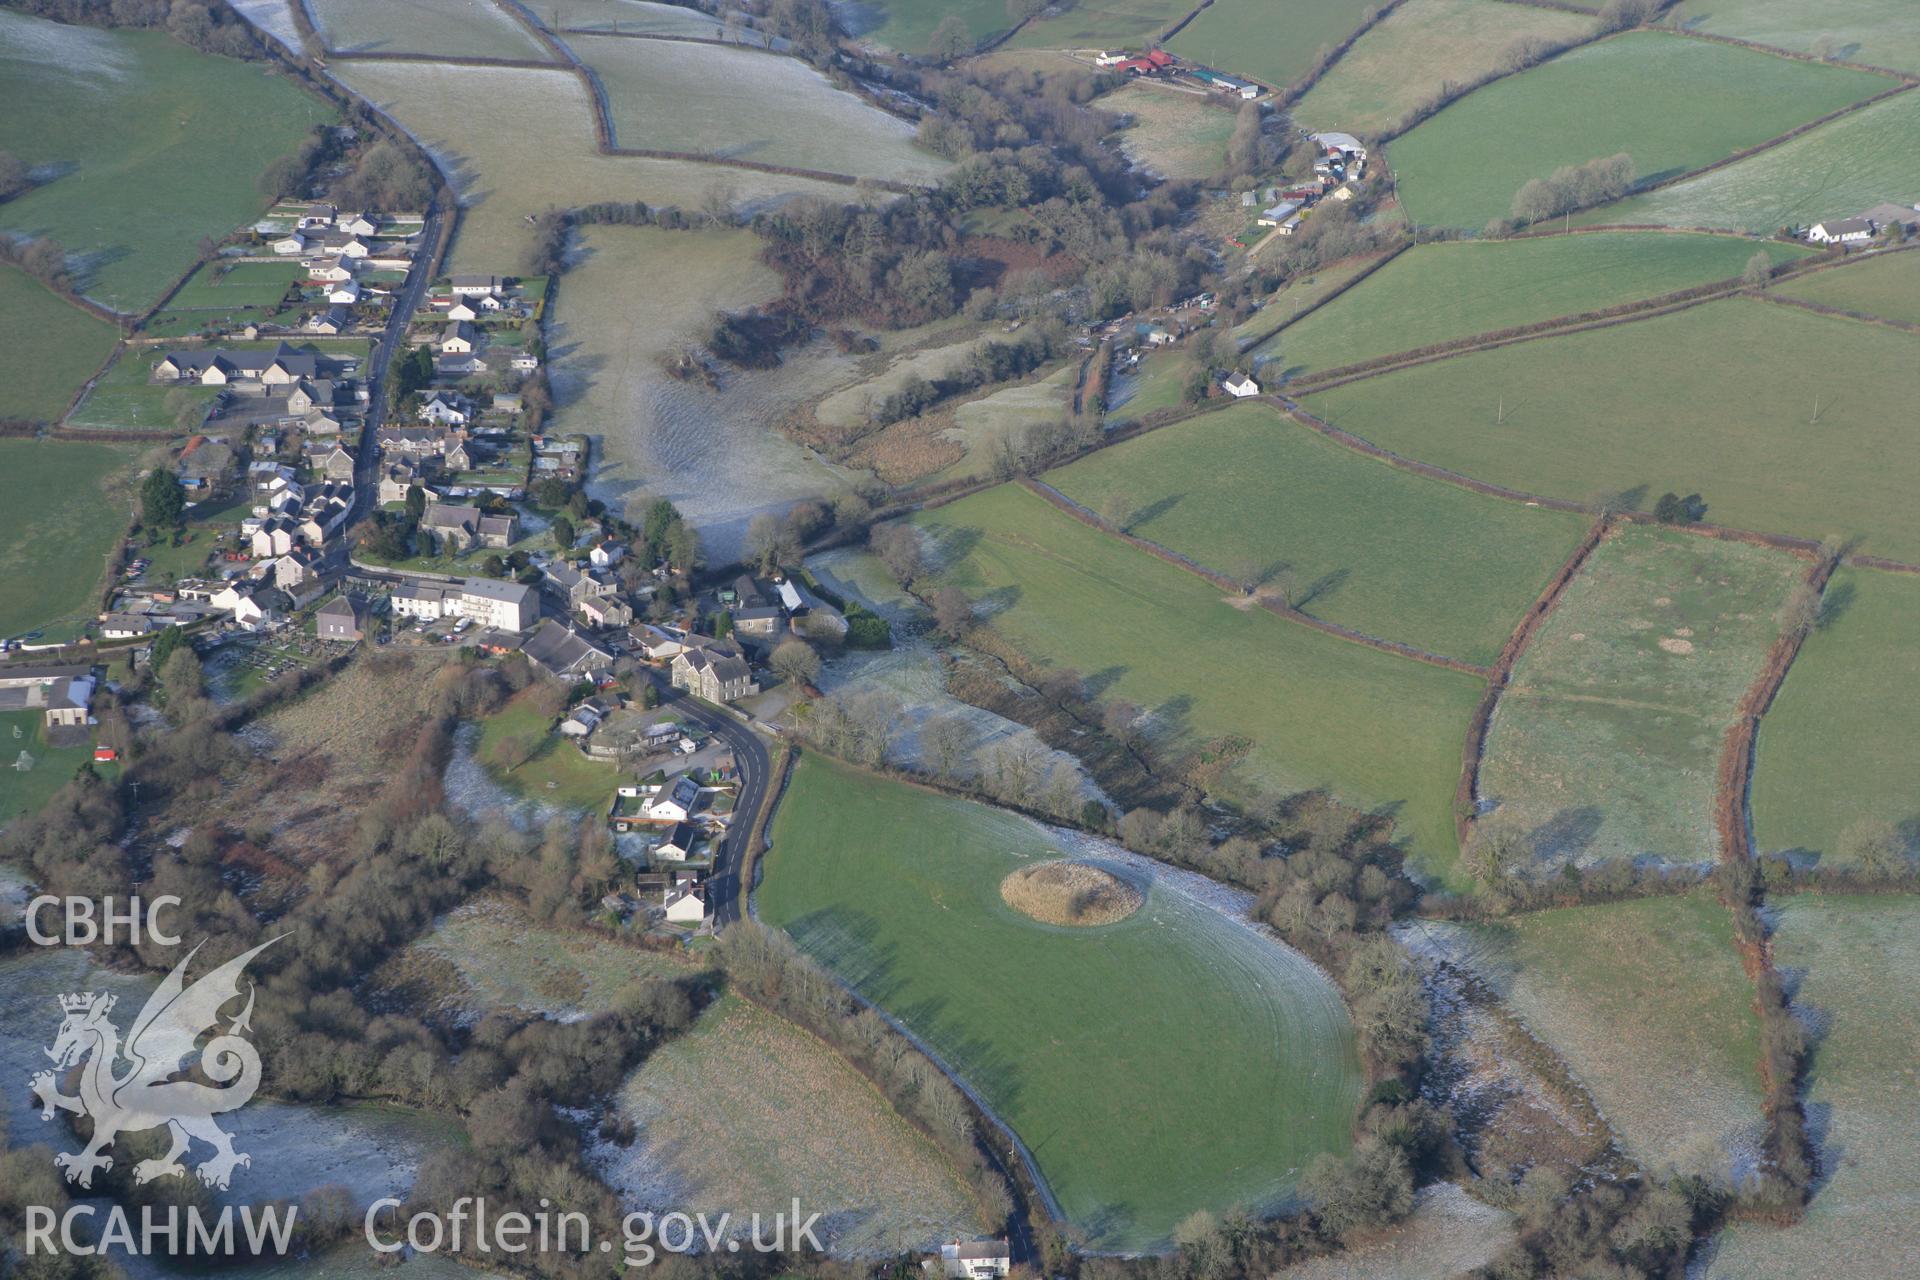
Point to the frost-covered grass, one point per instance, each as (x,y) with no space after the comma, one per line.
(517,141)
(746,1111)
(63,505)
(748,105)
(447,28)
(1176,134)
(715,454)
(1647,1005)
(1856,966)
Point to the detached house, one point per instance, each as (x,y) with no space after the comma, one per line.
(1843,231)
(1240,386)
(457,340)
(470,286)
(290,244)
(713,674)
(676,802)
(560,652)
(446,408)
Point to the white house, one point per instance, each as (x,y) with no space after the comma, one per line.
(686,903)
(475,286)
(605,554)
(344,293)
(975,1259)
(674,803)
(331,272)
(679,842)
(355,224)
(1240,386)
(446,408)
(290,244)
(458,339)
(1844,231)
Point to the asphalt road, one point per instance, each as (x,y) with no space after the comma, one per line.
(725,893)
(366,467)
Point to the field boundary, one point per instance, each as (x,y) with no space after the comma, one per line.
(1820,308)
(1795,55)
(1053,496)
(1371,18)
(1467,792)
(1249,344)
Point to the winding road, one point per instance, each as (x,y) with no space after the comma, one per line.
(725,894)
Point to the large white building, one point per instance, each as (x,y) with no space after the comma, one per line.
(510,606)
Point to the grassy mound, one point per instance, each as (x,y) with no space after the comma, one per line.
(1070,893)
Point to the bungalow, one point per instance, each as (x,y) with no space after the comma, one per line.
(290,244)
(473,308)
(559,651)
(472,286)
(317,216)
(344,293)
(1240,386)
(676,802)
(457,340)
(333,271)
(1844,231)
(344,617)
(355,224)
(524,362)
(126,626)
(581,721)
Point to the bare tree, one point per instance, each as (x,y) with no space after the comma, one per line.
(947,741)
(795,662)
(952,612)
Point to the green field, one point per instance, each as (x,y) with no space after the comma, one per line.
(1102,24)
(1396,555)
(1646,1004)
(1887,287)
(61,511)
(1671,103)
(225,299)
(52,348)
(1857,961)
(1274,41)
(1842,740)
(155,146)
(1704,399)
(906,26)
(1174,133)
(24,791)
(1159,383)
(558,772)
(1835,171)
(446,28)
(519,141)
(1437,292)
(1287,302)
(1403,61)
(1090,1043)
(1880,33)
(1607,742)
(1378,731)
(674,96)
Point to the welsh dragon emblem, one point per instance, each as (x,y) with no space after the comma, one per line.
(152,1090)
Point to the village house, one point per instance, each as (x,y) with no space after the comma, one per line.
(127,626)
(685,903)
(396,477)
(446,408)
(473,308)
(455,529)
(606,611)
(675,802)
(1240,386)
(457,339)
(356,224)
(678,844)
(289,245)
(975,1259)
(561,652)
(336,464)
(213,367)
(713,674)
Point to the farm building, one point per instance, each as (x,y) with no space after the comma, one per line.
(1274,215)
(1843,231)
(1152,63)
